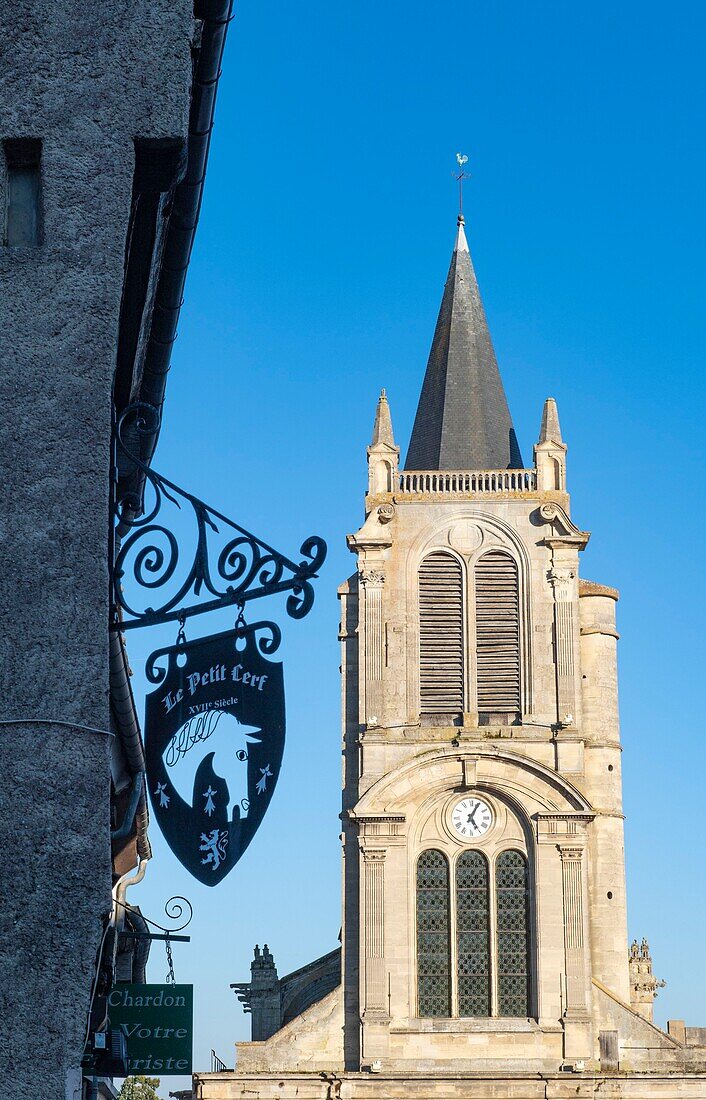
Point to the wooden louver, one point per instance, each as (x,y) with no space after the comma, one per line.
(497,633)
(441,635)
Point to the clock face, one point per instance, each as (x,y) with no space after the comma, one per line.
(471,817)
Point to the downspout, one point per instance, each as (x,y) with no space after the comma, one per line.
(135,794)
(142,946)
(125,713)
(120,892)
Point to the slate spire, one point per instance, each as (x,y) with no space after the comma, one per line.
(463,421)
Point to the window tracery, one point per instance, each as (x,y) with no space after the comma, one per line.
(491,950)
(512,898)
(433,935)
(473,935)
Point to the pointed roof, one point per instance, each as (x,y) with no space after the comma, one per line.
(382,429)
(550,431)
(463,421)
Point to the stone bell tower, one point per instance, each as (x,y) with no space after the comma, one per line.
(484,936)
(479,675)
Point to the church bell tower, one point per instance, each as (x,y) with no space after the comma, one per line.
(484,882)
(484,948)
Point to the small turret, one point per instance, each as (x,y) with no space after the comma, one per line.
(261,995)
(383,455)
(643,984)
(550,451)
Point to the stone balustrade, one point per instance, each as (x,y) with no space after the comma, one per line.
(467,481)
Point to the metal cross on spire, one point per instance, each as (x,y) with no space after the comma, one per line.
(460,176)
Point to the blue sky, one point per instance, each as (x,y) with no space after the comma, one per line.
(325,236)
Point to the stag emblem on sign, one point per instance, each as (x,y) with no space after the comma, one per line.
(214,738)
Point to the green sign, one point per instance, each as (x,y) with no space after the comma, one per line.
(158,1023)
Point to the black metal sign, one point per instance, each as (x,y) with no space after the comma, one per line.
(214,726)
(214,738)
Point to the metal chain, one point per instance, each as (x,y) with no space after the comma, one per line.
(181,635)
(171,979)
(240,621)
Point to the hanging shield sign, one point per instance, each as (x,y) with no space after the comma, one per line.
(214,738)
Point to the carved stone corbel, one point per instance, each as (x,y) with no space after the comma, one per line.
(565,532)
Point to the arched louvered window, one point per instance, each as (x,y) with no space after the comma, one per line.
(433,935)
(497,633)
(472,935)
(512,901)
(441,635)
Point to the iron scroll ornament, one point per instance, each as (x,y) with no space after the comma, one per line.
(229,564)
(214,740)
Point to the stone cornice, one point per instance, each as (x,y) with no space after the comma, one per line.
(375,819)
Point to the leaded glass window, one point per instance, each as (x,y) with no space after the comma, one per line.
(512,902)
(433,935)
(472,935)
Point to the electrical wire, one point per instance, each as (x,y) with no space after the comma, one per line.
(54,722)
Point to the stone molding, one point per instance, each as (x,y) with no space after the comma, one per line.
(374,832)
(586,630)
(553,828)
(394,786)
(568,534)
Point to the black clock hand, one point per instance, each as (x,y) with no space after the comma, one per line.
(473,814)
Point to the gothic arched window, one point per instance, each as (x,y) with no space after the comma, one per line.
(497,633)
(441,657)
(512,905)
(479,934)
(433,935)
(473,935)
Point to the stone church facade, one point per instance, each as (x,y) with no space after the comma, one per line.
(484,944)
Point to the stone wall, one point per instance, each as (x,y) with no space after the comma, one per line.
(448,1086)
(85,79)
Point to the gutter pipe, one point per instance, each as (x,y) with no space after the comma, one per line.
(186,205)
(120,892)
(125,714)
(135,792)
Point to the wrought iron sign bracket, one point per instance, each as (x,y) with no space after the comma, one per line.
(167,937)
(174,910)
(225,562)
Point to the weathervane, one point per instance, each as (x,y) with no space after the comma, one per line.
(460,176)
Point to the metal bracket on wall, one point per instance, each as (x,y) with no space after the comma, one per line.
(174,910)
(224,561)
